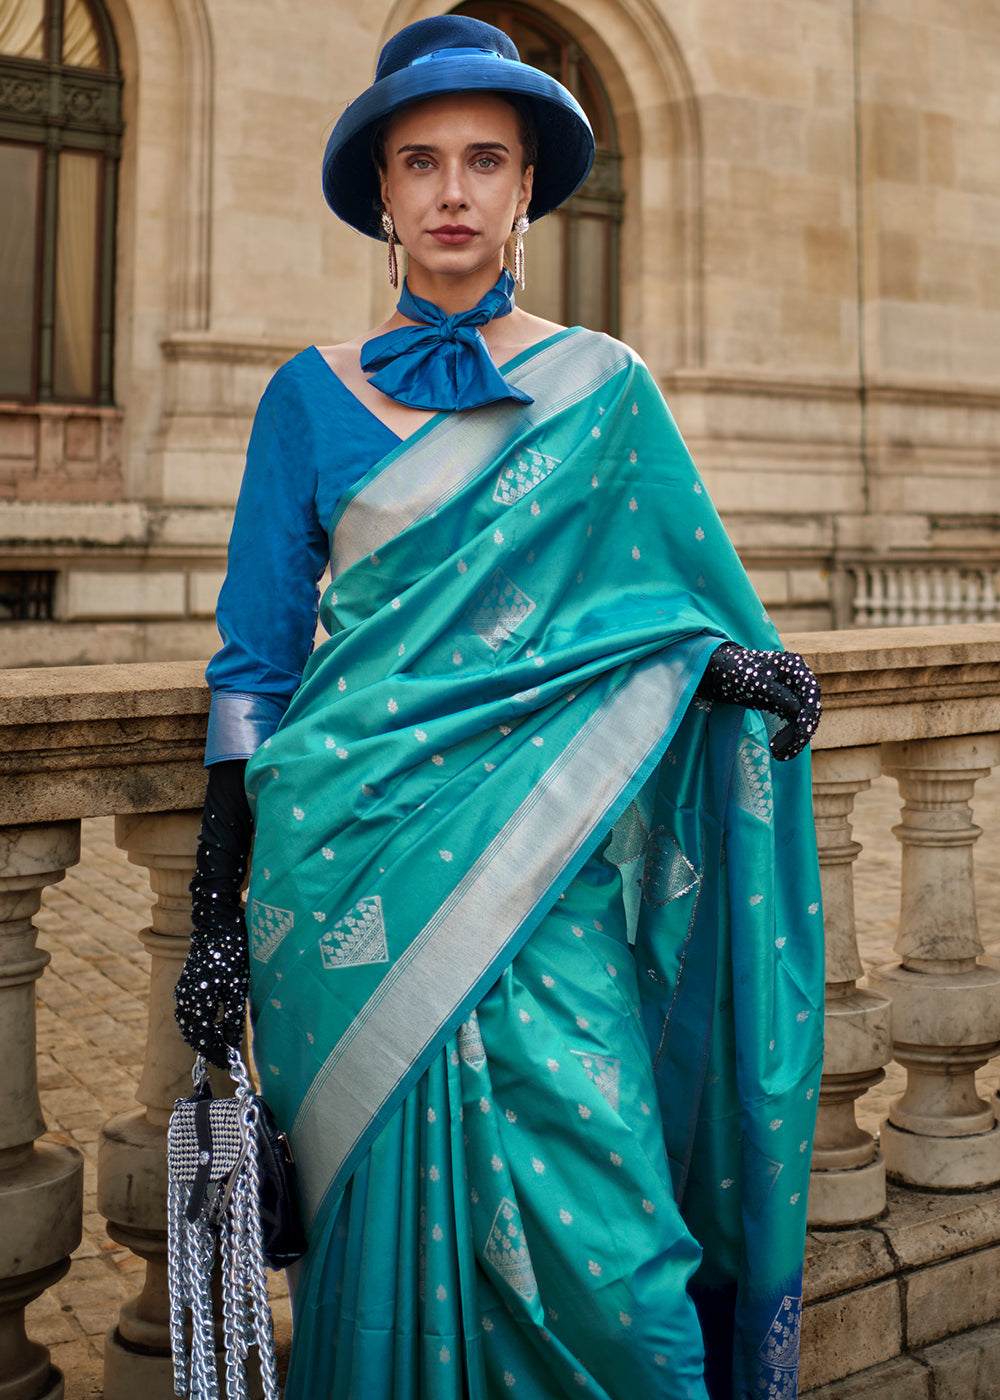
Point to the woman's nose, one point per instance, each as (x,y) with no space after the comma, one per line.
(453,193)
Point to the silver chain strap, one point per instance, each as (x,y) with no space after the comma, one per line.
(230,1218)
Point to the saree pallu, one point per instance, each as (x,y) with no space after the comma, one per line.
(535,931)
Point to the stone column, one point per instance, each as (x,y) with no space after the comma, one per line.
(945,997)
(847,1181)
(41,1183)
(132,1159)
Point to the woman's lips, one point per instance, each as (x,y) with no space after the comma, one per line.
(453,234)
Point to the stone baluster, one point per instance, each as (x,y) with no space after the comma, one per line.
(847,1181)
(945,1001)
(41,1183)
(132,1159)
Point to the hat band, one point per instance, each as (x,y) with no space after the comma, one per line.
(459,53)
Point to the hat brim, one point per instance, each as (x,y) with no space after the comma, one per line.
(565,141)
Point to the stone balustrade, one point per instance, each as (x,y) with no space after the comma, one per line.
(884,1252)
(78,742)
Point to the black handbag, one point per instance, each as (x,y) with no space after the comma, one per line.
(284,1237)
(231,1188)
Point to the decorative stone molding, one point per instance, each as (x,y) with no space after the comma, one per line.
(60,452)
(193,228)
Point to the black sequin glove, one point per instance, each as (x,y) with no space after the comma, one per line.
(212,989)
(777,681)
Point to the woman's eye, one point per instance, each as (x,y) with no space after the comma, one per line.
(486,162)
(420,163)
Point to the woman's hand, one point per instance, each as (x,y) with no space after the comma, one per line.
(211,991)
(777,681)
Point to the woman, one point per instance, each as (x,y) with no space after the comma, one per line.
(535,950)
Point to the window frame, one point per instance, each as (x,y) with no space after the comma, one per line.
(602,195)
(56,107)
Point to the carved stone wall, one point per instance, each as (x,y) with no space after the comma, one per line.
(809,266)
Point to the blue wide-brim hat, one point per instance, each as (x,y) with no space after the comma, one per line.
(454,53)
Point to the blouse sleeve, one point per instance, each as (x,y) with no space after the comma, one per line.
(278,550)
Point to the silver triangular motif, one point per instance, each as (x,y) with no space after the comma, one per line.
(667,874)
(357,938)
(522,475)
(628,837)
(752,779)
(507,1252)
(470,1043)
(778,1356)
(268,926)
(605,1073)
(498,610)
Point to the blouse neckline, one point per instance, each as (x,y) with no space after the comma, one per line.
(520,358)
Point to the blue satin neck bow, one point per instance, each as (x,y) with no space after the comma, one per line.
(444,362)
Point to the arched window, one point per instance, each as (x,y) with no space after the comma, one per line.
(60,133)
(572,256)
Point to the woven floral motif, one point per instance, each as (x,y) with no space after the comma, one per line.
(523,475)
(668,873)
(359,937)
(778,1358)
(498,609)
(752,780)
(507,1252)
(470,1043)
(606,1074)
(628,838)
(268,926)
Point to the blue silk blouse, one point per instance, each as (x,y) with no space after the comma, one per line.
(311,440)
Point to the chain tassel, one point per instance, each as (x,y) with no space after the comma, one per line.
(520,229)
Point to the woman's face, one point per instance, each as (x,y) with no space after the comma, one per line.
(454,184)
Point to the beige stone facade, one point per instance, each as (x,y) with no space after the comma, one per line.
(810,266)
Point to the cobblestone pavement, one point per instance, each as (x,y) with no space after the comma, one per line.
(91,1033)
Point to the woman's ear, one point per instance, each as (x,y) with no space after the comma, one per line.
(527,181)
(384,192)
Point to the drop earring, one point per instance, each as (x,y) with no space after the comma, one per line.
(389,229)
(520,229)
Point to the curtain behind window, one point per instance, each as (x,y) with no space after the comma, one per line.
(19,170)
(76,275)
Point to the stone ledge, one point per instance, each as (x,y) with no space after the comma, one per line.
(878,685)
(121,528)
(209,346)
(965,1367)
(857,651)
(956,393)
(898,683)
(82,741)
(68,693)
(920,1228)
(916,1278)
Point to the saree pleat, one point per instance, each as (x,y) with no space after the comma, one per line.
(558,1270)
(535,932)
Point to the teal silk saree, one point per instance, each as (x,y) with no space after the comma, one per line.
(535,931)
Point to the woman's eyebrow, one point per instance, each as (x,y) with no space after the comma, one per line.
(436,150)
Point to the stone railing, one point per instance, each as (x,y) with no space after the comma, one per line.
(893,1271)
(900,1279)
(921,595)
(79,742)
